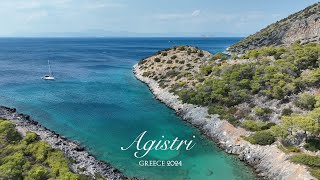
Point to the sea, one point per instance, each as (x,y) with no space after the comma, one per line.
(96,100)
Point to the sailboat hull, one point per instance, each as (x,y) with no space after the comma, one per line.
(48,78)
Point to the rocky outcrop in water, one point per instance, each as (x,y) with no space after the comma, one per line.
(82,161)
(303,26)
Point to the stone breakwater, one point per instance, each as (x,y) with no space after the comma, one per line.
(82,161)
(268,161)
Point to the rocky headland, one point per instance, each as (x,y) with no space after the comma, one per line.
(180,68)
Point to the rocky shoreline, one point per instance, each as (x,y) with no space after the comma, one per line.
(82,161)
(268,161)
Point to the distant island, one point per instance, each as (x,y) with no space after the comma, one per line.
(262,103)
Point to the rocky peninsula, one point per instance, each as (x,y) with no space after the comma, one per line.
(179,67)
(81,161)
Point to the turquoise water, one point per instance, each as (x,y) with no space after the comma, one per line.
(97,101)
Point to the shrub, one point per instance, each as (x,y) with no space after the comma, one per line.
(189,51)
(181,48)
(30,137)
(293,149)
(315,172)
(189,65)
(312,145)
(8,133)
(200,54)
(262,138)
(252,125)
(174,57)
(231,119)
(286,112)
(310,77)
(268,125)
(262,111)
(206,70)
(306,101)
(312,161)
(289,149)
(39,150)
(146,74)
(169,62)
(142,61)
(219,55)
(216,110)
(171,74)
(164,53)
(157,59)
(38,173)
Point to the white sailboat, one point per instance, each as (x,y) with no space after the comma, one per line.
(50,76)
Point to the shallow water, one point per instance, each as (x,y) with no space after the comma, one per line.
(97,101)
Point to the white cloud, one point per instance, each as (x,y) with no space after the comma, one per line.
(99,5)
(195,13)
(178,16)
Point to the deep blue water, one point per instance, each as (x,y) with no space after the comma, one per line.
(97,101)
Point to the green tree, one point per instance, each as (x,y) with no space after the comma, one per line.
(220,56)
(306,101)
(38,173)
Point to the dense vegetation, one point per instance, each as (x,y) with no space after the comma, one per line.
(288,75)
(29,158)
(273,72)
(272,91)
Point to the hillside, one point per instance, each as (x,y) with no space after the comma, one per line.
(272,92)
(303,26)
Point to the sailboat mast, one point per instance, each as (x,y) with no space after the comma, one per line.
(49,68)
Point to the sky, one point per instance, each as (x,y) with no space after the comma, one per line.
(142,17)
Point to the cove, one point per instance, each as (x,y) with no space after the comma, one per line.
(97,101)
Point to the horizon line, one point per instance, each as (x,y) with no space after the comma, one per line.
(2,37)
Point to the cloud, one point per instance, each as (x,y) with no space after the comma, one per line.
(178,16)
(21,5)
(99,5)
(195,13)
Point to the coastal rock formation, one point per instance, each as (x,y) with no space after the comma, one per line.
(82,161)
(184,65)
(303,26)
